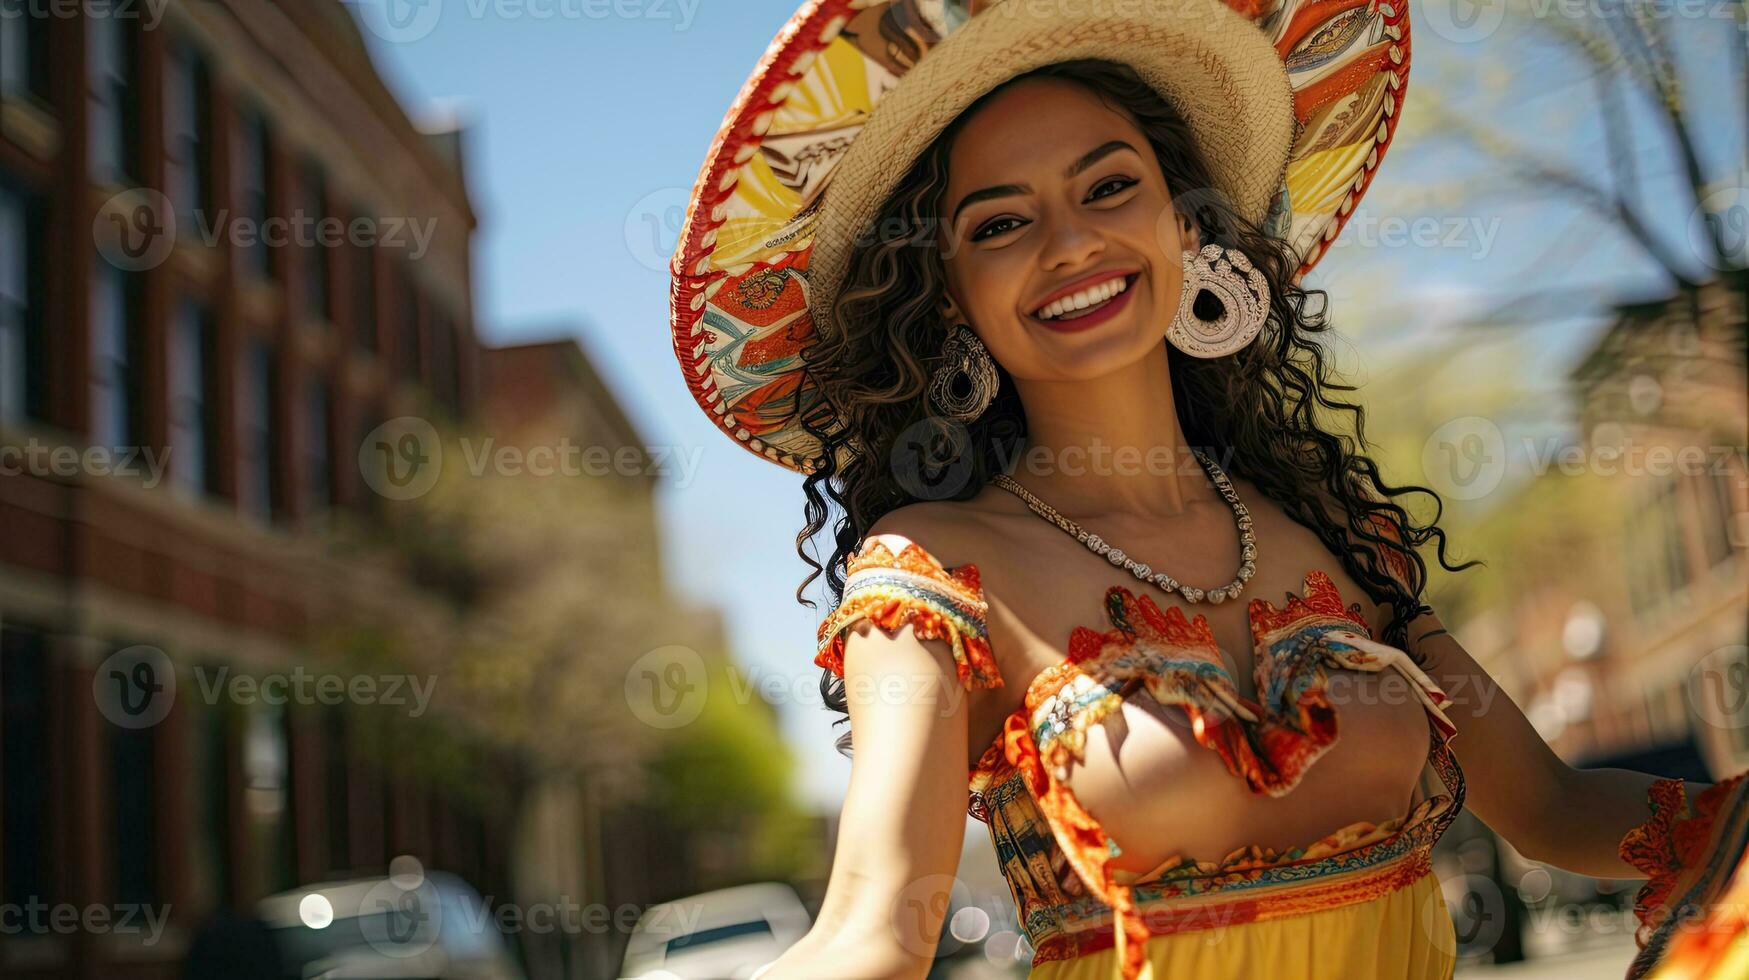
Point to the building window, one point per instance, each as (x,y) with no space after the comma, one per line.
(133,797)
(115,387)
(187,125)
(258,432)
(443,366)
(365,420)
(267,783)
(337,767)
(318,472)
(23,52)
(315,253)
(24,765)
(407,346)
(216,784)
(193,400)
(364,294)
(1713,490)
(21,324)
(114,110)
(1675,551)
(253,171)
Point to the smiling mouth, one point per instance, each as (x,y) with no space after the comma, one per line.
(1095,299)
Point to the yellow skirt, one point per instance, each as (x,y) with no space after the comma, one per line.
(1402,935)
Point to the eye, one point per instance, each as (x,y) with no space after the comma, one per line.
(992,228)
(1119,182)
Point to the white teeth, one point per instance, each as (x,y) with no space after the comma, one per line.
(1083,299)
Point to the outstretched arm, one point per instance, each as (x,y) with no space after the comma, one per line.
(903,820)
(1549,811)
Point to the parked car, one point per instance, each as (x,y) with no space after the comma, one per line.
(720,935)
(428,926)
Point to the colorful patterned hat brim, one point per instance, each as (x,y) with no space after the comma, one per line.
(1293,102)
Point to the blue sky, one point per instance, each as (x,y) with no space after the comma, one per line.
(587,132)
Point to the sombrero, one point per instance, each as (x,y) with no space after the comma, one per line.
(1292,101)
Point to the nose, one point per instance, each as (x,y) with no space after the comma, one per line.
(1072,242)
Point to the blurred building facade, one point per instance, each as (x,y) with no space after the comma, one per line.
(212,373)
(1619,619)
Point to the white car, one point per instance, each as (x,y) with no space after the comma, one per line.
(721,935)
(428,925)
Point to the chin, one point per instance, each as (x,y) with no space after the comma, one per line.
(1102,350)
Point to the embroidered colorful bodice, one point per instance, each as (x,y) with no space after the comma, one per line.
(1055,855)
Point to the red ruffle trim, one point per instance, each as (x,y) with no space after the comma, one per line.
(974,664)
(1673,839)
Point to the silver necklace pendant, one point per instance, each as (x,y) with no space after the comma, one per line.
(1160,580)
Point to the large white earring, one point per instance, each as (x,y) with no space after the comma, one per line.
(1244,296)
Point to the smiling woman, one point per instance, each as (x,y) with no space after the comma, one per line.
(1082,307)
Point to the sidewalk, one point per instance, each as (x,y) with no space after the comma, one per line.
(1603,962)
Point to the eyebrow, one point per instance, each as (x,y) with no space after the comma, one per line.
(1087,159)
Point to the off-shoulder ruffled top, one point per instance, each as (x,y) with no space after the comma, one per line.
(1055,855)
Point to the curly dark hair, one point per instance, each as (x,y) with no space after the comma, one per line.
(1259,411)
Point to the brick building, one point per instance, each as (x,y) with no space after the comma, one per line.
(158,301)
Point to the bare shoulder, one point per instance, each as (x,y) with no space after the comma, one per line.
(956,532)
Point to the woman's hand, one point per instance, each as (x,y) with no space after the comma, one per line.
(903,821)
